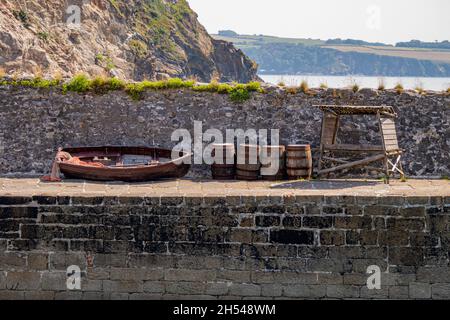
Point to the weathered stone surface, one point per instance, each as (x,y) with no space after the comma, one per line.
(422,124)
(133,252)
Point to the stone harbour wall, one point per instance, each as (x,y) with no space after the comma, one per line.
(241,247)
(34,122)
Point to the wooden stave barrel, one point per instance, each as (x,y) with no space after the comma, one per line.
(299,163)
(247,171)
(266,154)
(224,171)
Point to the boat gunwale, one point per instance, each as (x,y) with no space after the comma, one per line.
(177,162)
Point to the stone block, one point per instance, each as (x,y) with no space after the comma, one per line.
(440,291)
(399,292)
(123,286)
(342,291)
(189,275)
(242,290)
(305,291)
(332,238)
(292,236)
(23,280)
(317,222)
(54,281)
(217,288)
(419,290)
(267,221)
(185,288)
(154,287)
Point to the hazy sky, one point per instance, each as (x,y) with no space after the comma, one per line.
(387,21)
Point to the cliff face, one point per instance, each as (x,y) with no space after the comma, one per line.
(135,39)
(276,58)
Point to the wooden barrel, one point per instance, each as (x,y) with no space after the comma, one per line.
(248,164)
(267,158)
(299,162)
(224,170)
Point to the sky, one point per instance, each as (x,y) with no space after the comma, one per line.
(387,21)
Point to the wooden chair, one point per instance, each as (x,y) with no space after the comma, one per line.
(384,152)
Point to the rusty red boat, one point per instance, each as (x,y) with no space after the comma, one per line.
(129,164)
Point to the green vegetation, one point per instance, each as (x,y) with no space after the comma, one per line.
(256,40)
(238,92)
(37,82)
(22,16)
(81,83)
(304,87)
(99,57)
(281,84)
(323,85)
(139,48)
(420,90)
(292,90)
(448,89)
(355,87)
(135,90)
(104,85)
(428,45)
(104,61)
(399,88)
(239,95)
(44,36)
(381,85)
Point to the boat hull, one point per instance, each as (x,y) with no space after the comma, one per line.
(139,173)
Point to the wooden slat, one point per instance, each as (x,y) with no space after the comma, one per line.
(387,121)
(390,137)
(390,131)
(329,128)
(352,147)
(353,164)
(346,161)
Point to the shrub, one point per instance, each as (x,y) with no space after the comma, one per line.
(139,48)
(239,94)
(116,84)
(22,16)
(80,83)
(355,87)
(177,83)
(304,86)
(57,76)
(135,90)
(399,88)
(323,85)
(381,85)
(292,90)
(2,73)
(253,86)
(224,88)
(99,57)
(281,84)
(44,36)
(213,86)
(448,90)
(420,90)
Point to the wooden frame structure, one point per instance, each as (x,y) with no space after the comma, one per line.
(388,152)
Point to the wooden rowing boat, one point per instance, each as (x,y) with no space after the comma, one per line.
(130,164)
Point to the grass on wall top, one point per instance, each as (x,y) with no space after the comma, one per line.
(100,85)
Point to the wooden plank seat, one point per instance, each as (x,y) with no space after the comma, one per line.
(353,147)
